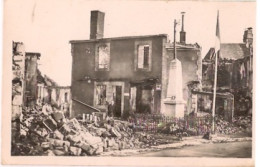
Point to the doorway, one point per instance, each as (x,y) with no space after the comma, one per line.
(145,99)
(118,97)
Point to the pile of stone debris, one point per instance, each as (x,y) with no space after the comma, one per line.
(243,121)
(238,125)
(47,132)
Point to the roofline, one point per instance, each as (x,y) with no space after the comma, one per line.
(183,48)
(228,44)
(96,11)
(118,38)
(33,54)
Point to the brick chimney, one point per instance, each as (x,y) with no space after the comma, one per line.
(248,36)
(97,24)
(182,32)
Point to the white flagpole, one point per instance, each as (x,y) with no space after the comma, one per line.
(217,51)
(214,92)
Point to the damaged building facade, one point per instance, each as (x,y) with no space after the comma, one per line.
(30,87)
(50,92)
(128,73)
(24,75)
(235,75)
(18,84)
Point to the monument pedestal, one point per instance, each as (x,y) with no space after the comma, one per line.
(174,108)
(174,104)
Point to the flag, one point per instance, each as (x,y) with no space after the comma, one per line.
(217,42)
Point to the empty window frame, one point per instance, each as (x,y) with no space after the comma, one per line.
(103,57)
(143,55)
(143,61)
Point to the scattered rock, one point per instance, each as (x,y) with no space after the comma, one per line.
(50,124)
(75,151)
(50,133)
(58,135)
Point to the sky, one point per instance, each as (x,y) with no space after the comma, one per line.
(47,26)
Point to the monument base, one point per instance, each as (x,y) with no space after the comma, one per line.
(173,108)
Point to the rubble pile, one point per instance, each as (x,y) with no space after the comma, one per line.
(239,125)
(47,132)
(176,129)
(243,121)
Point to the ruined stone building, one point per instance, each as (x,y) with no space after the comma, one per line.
(48,91)
(25,73)
(235,71)
(130,73)
(34,88)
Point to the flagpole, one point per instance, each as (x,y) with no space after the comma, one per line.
(214,93)
(217,51)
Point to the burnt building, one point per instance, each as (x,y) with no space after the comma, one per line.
(129,73)
(35,88)
(25,73)
(49,92)
(235,71)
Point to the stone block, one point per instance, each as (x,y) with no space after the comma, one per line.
(50,124)
(75,151)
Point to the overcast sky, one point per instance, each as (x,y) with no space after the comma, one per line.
(47,26)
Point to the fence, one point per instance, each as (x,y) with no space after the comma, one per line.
(159,123)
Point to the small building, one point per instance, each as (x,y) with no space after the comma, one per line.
(235,71)
(129,73)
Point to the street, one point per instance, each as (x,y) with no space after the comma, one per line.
(228,150)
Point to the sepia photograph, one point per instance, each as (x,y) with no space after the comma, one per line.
(139,83)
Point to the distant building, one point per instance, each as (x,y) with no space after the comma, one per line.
(128,73)
(235,71)
(48,91)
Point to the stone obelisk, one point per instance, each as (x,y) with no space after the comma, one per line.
(174,103)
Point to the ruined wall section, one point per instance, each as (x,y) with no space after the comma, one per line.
(31,66)
(18,84)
